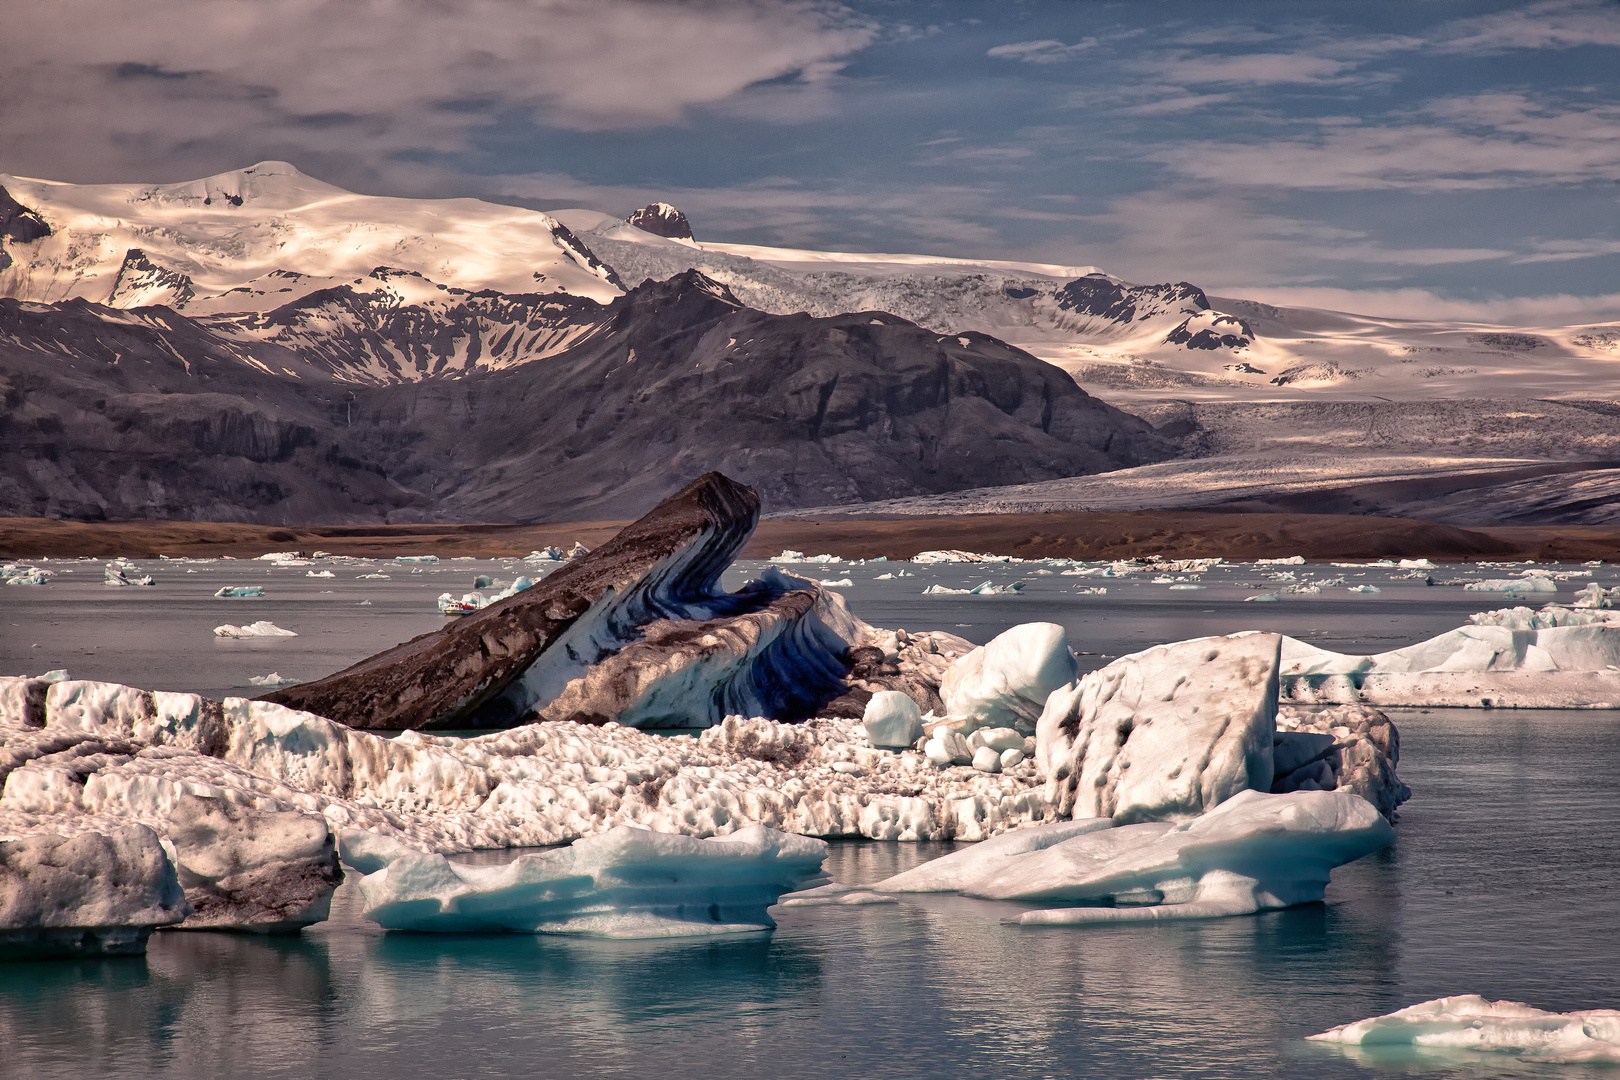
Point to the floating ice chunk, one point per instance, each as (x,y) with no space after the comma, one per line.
(1470,1022)
(319,573)
(262,628)
(545,554)
(271,680)
(884,577)
(836,583)
(85,893)
(1594,595)
(1262,598)
(1364,589)
(369,852)
(1006,682)
(416,558)
(1536,584)
(1188,587)
(1415,564)
(121,572)
(624,883)
(578,550)
(1166,733)
(26,575)
(953,872)
(788,556)
(54,675)
(954,556)
(240,591)
(283,557)
(372,577)
(1091,590)
(987,588)
(1252,852)
(834,893)
(892,719)
(1292,560)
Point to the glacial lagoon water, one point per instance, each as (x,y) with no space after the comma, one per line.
(1504,881)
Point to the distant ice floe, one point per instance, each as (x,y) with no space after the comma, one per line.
(953,556)
(837,583)
(261,629)
(271,681)
(624,883)
(1471,1023)
(1557,657)
(24,574)
(319,573)
(122,572)
(240,592)
(987,588)
(416,558)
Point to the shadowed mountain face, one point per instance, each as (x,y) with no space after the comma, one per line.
(146,413)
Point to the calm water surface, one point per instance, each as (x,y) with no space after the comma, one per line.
(1505,881)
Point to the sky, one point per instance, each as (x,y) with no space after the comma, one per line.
(1419,158)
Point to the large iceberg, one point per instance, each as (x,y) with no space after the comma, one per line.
(1470,1022)
(1006,683)
(625,883)
(1253,851)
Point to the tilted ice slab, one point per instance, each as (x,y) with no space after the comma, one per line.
(1254,851)
(541,784)
(1555,658)
(1006,682)
(625,883)
(1469,1022)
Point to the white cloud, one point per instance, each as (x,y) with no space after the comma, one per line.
(1558,24)
(1041,52)
(1258,69)
(108,89)
(1555,310)
(1569,250)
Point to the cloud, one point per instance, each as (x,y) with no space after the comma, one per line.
(1559,309)
(103,89)
(1041,52)
(1569,250)
(1258,69)
(1477,143)
(1559,24)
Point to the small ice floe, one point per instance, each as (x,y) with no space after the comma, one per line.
(271,680)
(1091,590)
(122,572)
(884,577)
(1416,564)
(1470,1022)
(1163,579)
(1185,586)
(1536,583)
(835,893)
(624,883)
(1292,560)
(372,577)
(416,558)
(319,573)
(954,556)
(792,556)
(20,574)
(1596,596)
(240,592)
(1262,598)
(364,603)
(1364,589)
(986,588)
(262,628)
(836,583)
(545,554)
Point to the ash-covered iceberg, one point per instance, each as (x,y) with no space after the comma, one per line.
(625,883)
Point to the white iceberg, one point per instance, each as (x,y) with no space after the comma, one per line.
(1262,598)
(416,558)
(1091,590)
(954,556)
(319,573)
(1364,589)
(545,554)
(262,628)
(892,720)
(272,680)
(836,583)
(120,572)
(624,883)
(1536,583)
(13,574)
(1252,852)
(1292,560)
(987,588)
(231,592)
(1006,683)
(1470,1022)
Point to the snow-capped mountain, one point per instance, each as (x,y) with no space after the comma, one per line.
(190,245)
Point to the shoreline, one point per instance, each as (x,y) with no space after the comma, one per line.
(1072,535)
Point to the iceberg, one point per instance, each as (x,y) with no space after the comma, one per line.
(1006,683)
(1536,583)
(262,628)
(545,554)
(19,574)
(271,680)
(230,592)
(892,719)
(371,577)
(121,572)
(319,573)
(1169,732)
(416,558)
(953,556)
(1252,852)
(983,589)
(624,883)
(836,583)
(1470,1022)
(1292,560)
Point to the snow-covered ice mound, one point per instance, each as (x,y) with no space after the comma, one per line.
(1252,852)
(625,883)
(262,628)
(1470,1022)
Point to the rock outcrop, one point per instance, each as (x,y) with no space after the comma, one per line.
(661,219)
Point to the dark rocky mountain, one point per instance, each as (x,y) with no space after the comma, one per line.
(20,225)
(145,413)
(662,219)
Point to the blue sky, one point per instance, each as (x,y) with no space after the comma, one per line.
(1413,157)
